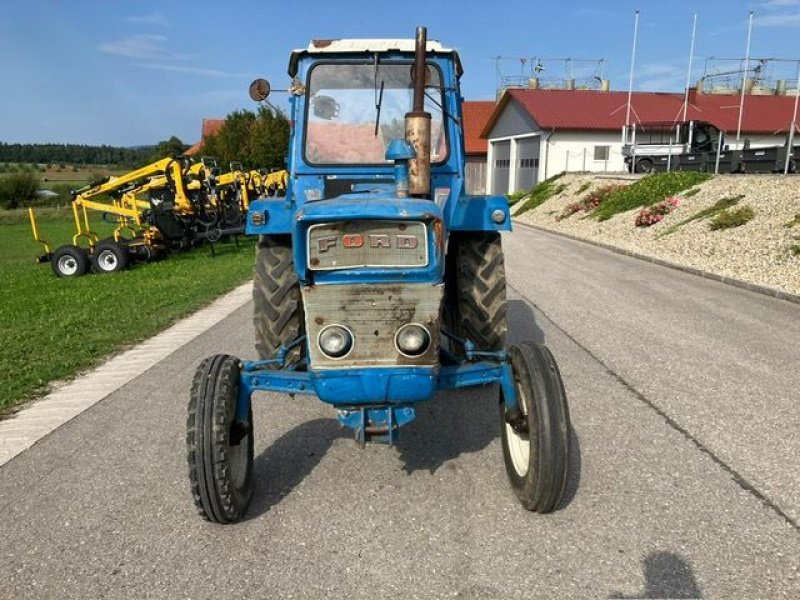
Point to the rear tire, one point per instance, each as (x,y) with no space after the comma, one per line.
(109,257)
(644,165)
(69,261)
(219,448)
(478,310)
(536,455)
(278,305)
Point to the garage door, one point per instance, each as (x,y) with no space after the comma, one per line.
(527,163)
(501,152)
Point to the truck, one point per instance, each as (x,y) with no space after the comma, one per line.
(378,281)
(700,146)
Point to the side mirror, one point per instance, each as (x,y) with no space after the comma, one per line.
(325,107)
(259,90)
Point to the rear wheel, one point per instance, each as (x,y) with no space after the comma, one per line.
(536,449)
(477,307)
(69,261)
(278,305)
(109,257)
(219,448)
(644,165)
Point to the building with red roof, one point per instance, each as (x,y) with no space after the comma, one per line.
(475,115)
(533,134)
(210,127)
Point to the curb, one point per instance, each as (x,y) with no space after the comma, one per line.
(47,414)
(732,281)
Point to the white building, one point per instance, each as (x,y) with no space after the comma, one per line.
(534,134)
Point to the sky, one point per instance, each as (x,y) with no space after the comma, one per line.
(131,73)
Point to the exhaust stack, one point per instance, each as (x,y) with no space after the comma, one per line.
(418,123)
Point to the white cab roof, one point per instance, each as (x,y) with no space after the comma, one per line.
(384,45)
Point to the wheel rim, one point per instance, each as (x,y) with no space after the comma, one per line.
(238,458)
(68,265)
(107,260)
(519,442)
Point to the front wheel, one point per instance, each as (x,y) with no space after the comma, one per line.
(69,261)
(536,448)
(219,447)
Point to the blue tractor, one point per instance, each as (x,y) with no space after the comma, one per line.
(378,281)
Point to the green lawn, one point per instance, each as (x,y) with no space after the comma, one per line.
(51,328)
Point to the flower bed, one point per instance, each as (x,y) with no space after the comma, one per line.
(655,213)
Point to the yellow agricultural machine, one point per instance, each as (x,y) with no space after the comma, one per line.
(170,204)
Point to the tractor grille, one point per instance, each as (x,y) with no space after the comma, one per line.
(373,313)
(349,244)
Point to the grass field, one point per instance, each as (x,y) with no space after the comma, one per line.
(51,328)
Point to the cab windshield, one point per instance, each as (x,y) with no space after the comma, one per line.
(343,110)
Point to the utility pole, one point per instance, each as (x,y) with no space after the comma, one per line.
(793,126)
(633,62)
(689,70)
(744,79)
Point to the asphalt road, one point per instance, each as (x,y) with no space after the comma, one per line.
(684,406)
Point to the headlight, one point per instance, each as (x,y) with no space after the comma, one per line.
(335,341)
(412,339)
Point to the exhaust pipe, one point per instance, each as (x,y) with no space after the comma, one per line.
(418,124)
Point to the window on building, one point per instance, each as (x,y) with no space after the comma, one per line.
(601,152)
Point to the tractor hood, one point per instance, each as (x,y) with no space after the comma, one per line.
(368,206)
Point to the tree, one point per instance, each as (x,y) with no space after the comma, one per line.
(18,189)
(171,147)
(257,140)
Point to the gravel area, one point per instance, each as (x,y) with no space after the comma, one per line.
(759,251)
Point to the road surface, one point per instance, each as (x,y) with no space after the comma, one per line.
(684,399)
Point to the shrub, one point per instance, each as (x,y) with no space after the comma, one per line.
(541,193)
(711,211)
(727,219)
(795,249)
(647,191)
(517,196)
(18,189)
(584,186)
(655,213)
(795,221)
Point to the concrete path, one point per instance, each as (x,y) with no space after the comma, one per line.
(682,484)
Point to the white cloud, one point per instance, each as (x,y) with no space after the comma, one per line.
(778,20)
(142,46)
(157,19)
(200,71)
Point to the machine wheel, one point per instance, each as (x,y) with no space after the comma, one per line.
(219,448)
(644,165)
(109,257)
(69,261)
(536,453)
(478,312)
(278,314)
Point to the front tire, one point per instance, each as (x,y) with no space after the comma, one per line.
(69,261)
(278,305)
(219,448)
(536,451)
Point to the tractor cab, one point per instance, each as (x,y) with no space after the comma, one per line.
(349,102)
